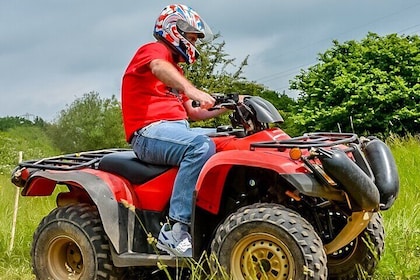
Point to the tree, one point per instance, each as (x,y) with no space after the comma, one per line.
(89,123)
(369,86)
(11,122)
(8,122)
(211,71)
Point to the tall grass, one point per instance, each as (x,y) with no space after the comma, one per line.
(402,222)
(401,259)
(15,264)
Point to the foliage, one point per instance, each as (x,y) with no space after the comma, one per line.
(368,86)
(89,123)
(11,122)
(16,139)
(211,71)
(15,132)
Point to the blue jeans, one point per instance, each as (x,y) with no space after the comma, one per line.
(174,143)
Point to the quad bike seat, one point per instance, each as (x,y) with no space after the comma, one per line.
(127,165)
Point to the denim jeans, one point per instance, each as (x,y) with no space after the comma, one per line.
(174,143)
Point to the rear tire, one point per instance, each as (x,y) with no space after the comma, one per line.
(360,257)
(268,241)
(70,243)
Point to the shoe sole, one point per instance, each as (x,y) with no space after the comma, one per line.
(170,251)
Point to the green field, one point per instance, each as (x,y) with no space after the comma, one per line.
(402,222)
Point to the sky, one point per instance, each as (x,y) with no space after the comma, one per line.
(54,51)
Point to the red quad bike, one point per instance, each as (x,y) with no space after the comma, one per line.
(268,206)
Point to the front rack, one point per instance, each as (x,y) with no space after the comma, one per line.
(70,161)
(310,140)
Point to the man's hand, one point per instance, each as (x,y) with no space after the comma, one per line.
(205,100)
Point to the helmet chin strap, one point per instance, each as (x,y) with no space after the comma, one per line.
(177,57)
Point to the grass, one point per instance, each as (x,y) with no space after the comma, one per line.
(402,222)
(15,264)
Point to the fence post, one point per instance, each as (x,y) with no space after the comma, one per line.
(15,211)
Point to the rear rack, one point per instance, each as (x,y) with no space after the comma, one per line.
(70,161)
(310,140)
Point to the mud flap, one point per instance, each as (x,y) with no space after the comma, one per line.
(355,225)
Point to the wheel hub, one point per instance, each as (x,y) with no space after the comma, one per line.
(65,258)
(74,257)
(262,256)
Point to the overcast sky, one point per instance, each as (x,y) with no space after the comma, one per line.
(52,52)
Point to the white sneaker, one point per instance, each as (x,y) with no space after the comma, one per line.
(176,242)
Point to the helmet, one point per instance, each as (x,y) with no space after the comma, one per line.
(174,22)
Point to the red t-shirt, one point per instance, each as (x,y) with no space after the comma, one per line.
(145,99)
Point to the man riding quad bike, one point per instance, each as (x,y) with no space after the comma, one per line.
(267,206)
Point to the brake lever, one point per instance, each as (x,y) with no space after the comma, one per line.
(228,105)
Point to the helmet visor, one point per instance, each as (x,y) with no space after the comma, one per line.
(204,33)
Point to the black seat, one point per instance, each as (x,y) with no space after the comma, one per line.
(127,165)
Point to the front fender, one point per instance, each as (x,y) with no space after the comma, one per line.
(105,190)
(212,178)
(213,175)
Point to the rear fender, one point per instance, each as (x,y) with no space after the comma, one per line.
(213,175)
(105,190)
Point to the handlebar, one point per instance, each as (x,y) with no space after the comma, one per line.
(195,104)
(222,100)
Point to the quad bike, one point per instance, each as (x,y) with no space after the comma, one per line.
(267,205)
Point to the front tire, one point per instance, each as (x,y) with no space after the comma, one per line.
(70,243)
(268,241)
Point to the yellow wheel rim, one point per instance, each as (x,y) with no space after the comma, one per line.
(65,258)
(262,256)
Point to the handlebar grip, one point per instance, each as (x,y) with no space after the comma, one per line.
(195,104)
